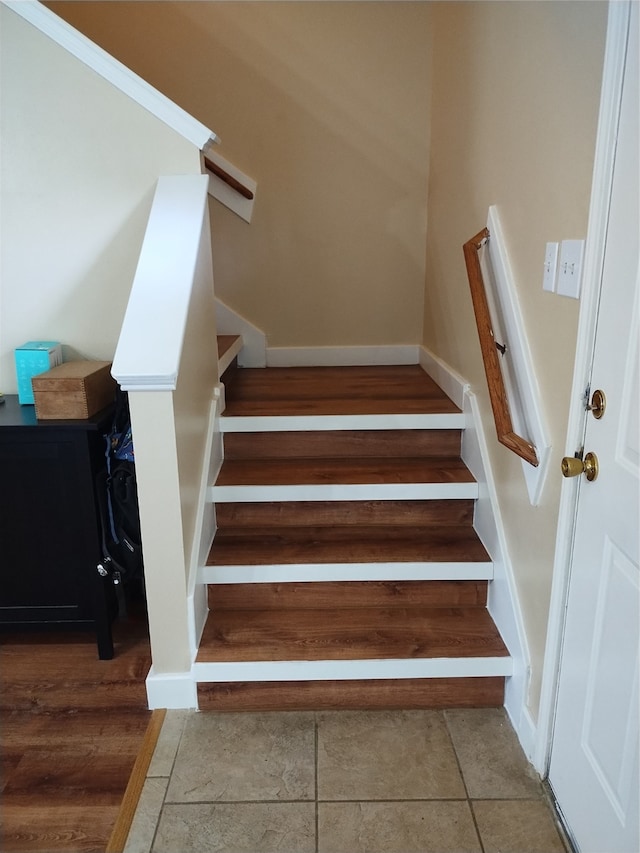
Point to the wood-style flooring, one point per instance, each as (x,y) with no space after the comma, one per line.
(71,728)
(290,524)
(279,391)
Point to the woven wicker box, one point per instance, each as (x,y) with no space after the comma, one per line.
(73,390)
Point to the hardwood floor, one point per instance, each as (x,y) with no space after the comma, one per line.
(71,728)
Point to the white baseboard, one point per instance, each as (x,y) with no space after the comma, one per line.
(502,600)
(341,356)
(171,690)
(453,385)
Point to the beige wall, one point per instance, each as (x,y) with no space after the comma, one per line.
(326,105)
(79,166)
(514,111)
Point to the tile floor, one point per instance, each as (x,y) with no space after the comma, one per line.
(342,782)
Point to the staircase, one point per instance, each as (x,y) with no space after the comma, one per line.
(345,571)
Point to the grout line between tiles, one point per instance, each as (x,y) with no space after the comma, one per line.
(464,781)
(315,758)
(164,799)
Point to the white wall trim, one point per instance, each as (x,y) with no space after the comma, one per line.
(222,192)
(322,572)
(453,385)
(113,71)
(606,136)
(254,341)
(521,384)
(148,353)
(171,690)
(341,356)
(502,601)
(343,670)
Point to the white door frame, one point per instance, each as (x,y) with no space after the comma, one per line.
(611,95)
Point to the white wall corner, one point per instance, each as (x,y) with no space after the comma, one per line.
(341,356)
(254,341)
(224,193)
(173,690)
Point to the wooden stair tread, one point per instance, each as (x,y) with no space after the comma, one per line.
(287,472)
(349,544)
(395,389)
(225,342)
(349,634)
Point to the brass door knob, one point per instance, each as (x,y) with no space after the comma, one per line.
(573,467)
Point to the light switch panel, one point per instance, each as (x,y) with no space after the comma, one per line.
(570,268)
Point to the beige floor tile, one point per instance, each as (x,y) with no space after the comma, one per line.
(517,826)
(380,755)
(426,827)
(245,756)
(167,745)
(146,817)
(492,761)
(236,828)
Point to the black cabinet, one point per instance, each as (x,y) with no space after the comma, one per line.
(49,525)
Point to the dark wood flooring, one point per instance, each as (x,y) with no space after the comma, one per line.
(71,728)
(395,389)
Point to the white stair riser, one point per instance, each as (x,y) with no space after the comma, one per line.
(317,423)
(343,492)
(346,670)
(309,572)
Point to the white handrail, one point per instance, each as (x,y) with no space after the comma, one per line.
(148,353)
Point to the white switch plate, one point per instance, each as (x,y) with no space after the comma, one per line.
(570,268)
(550,268)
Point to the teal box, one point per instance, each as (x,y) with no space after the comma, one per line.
(33,358)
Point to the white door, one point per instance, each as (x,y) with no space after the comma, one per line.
(594,757)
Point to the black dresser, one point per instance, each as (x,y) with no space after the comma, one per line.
(50,541)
